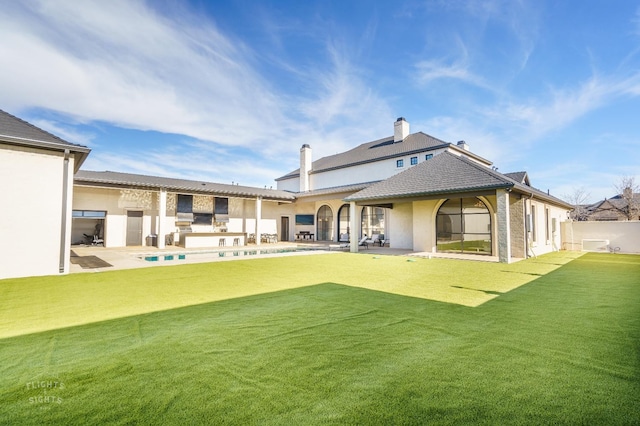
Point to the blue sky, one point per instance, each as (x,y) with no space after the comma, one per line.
(228,91)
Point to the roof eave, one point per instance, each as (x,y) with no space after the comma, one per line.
(432,193)
(80,152)
(103,183)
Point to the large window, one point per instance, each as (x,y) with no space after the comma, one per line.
(325,224)
(343,222)
(372,221)
(463,225)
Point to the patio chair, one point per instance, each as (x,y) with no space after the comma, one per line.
(344,238)
(364,242)
(97,241)
(374,239)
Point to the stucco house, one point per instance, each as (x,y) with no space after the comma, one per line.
(426,195)
(410,191)
(36,183)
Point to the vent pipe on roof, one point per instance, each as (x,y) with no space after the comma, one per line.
(463,145)
(305,167)
(400,129)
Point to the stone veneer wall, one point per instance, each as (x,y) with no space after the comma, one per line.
(203,204)
(516,208)
(135,198)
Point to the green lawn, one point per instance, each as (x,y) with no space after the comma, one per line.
(327,339)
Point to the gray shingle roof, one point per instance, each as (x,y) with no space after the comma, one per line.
(520,177)
(16,131)
(617,201)
(377,150)
(335,189)
(129,180)
(444,174)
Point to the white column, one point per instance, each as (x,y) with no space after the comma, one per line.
(353,227)
(503,228)
(162,214)
(258,219)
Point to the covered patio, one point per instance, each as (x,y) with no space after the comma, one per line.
(138,210)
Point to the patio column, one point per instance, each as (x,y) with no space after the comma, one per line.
(503,228)
(258,219)
(353,227)
(162,214)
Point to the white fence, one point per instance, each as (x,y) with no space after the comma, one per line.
(623,237)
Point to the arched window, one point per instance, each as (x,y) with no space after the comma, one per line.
(372,221)
(344,223)
(325,224)
(463,225)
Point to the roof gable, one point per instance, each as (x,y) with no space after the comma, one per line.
(444,173)
(520,177)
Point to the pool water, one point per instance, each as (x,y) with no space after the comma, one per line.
(227,253)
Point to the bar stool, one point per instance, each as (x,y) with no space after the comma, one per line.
(222,242)
(236,241)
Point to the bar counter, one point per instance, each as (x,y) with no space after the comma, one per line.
(211,239)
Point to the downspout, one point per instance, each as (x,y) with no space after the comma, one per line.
(64,213)
(526,225)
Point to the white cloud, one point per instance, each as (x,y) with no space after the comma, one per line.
(68,134)
(127,64)
(123,63)
(537,117)
(430,70)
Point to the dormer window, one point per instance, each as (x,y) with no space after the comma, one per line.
(400,163)
(414,161)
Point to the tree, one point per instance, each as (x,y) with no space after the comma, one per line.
(629,191)
(578,198)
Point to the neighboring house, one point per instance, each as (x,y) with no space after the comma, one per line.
(425,195)
(410,191)
(36,183)
(614,208)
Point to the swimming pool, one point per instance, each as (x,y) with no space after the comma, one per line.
(167,257)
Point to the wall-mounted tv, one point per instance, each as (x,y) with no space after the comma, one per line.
(304,219)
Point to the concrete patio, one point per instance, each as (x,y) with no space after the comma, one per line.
(134,257)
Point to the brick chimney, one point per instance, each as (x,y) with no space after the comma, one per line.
(305,167)
(400,129)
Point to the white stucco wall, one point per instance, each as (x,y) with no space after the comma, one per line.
(624,234)
(400,226)
(424,226)
(544,226)
(292,184)
(368,172)
(31,214)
